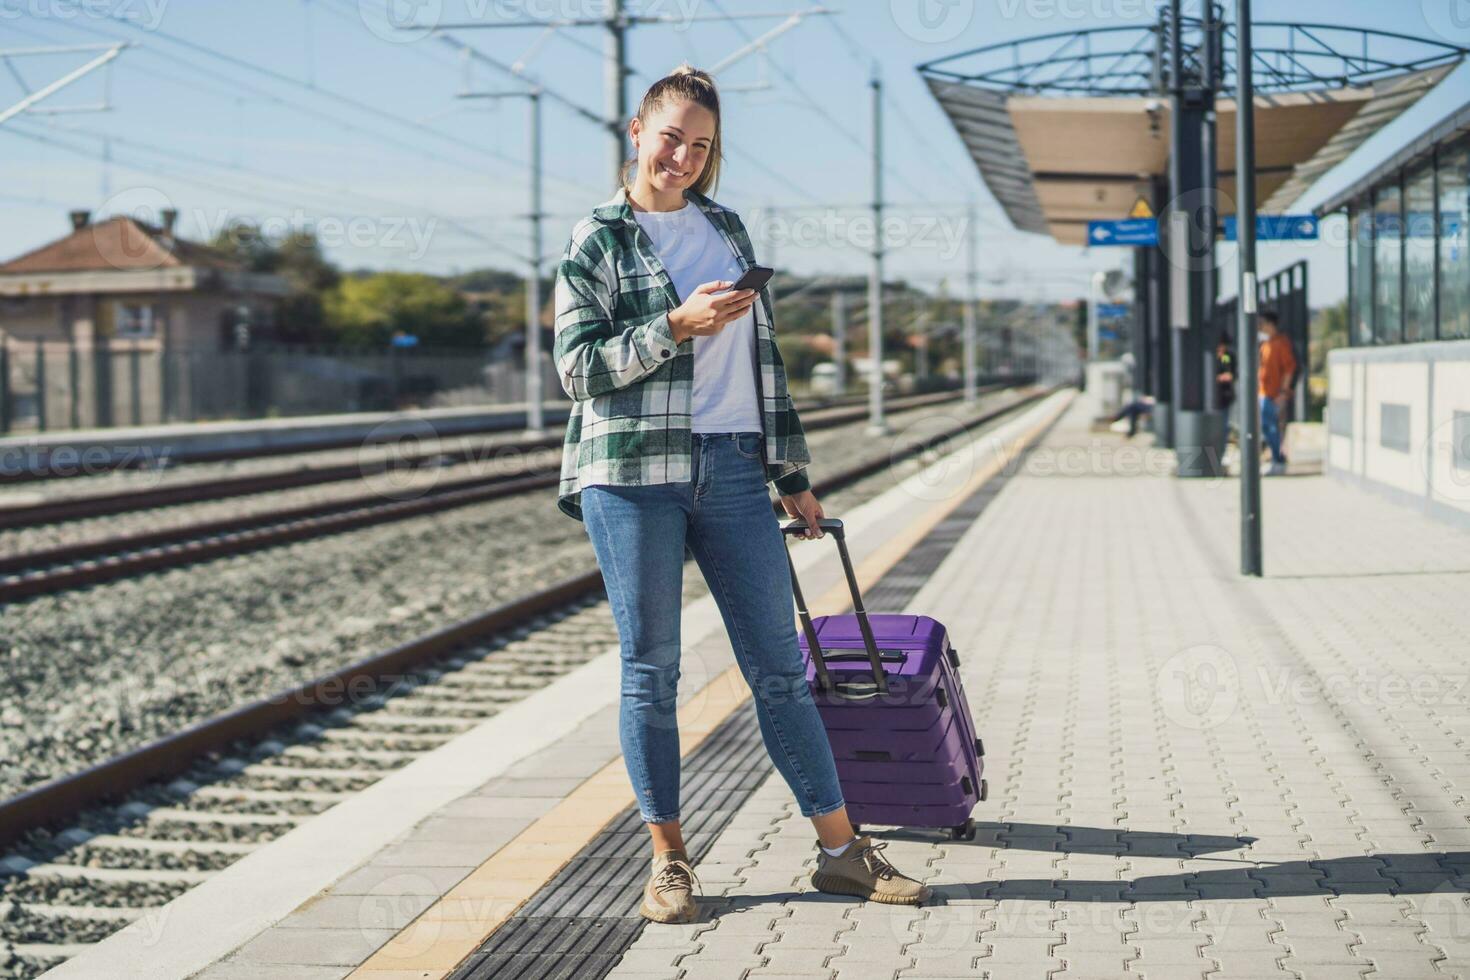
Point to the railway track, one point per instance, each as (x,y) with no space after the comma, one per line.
(84,563)
(96,850)
(41,467)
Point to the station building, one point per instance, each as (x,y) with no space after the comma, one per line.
(1398,415)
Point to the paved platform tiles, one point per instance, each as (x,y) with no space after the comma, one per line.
(1192,774)
(444,883)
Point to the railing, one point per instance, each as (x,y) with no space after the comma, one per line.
(1128,60)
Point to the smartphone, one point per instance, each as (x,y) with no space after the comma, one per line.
(754,278)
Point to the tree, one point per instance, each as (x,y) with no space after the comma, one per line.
(298,259)
(1328,332)
(366,311)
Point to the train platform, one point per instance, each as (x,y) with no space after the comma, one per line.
(1191,773)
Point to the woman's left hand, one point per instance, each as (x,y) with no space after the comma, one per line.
(804,505)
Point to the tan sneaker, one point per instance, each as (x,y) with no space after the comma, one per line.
(669,894)
(862,870)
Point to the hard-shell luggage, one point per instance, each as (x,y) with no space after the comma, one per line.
(889,693)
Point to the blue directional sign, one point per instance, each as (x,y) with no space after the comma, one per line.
(1113,311)
(1278,227)
(1133,231)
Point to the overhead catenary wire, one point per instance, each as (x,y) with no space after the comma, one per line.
(210,78)
(326,93)
(247,193)
(316,114)
(864,56)
(519,73)
(293,181)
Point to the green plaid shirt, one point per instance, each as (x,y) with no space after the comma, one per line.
(631,385)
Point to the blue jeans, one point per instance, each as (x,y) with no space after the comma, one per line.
(724,516)
(1271,429)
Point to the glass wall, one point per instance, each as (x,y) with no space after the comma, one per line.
(1409,253)
(1419,249)
(1388,236)
(1454,243)
(1360,272)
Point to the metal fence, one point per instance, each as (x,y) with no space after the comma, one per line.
(49,385)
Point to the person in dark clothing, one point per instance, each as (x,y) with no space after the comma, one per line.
(1133,411)
(1224,374)
(1225,381)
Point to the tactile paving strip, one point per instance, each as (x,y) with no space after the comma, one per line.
(584,919)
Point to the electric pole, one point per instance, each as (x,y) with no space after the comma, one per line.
(972,296)
(839,338)
(1247,353)
(535,396)
(615,66)
(615,25)
(876,425)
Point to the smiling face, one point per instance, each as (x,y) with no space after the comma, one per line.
(673,146)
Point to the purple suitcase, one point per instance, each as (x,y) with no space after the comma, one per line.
(889,692)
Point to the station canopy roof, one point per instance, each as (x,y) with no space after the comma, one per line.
(1071,128)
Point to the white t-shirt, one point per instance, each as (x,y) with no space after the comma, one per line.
(693,252)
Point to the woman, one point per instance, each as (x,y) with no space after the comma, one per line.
(680,418)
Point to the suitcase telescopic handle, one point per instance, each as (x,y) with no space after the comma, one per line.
(833,526)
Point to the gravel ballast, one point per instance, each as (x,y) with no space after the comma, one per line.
(93,673)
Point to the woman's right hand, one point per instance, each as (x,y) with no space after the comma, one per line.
(707,310)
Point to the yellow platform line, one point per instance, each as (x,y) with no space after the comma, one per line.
(436,942)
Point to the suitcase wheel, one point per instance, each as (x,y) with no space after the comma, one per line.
(984,790)
(963,831)
(980,748)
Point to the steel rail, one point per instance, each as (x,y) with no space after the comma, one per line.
(59,799)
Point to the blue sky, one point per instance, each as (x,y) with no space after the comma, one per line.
(316,113)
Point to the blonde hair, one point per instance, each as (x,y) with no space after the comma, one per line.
(684,84)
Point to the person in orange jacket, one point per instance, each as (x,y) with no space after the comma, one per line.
(1278,365)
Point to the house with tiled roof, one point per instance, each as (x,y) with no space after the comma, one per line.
(122,321)
(123,279)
